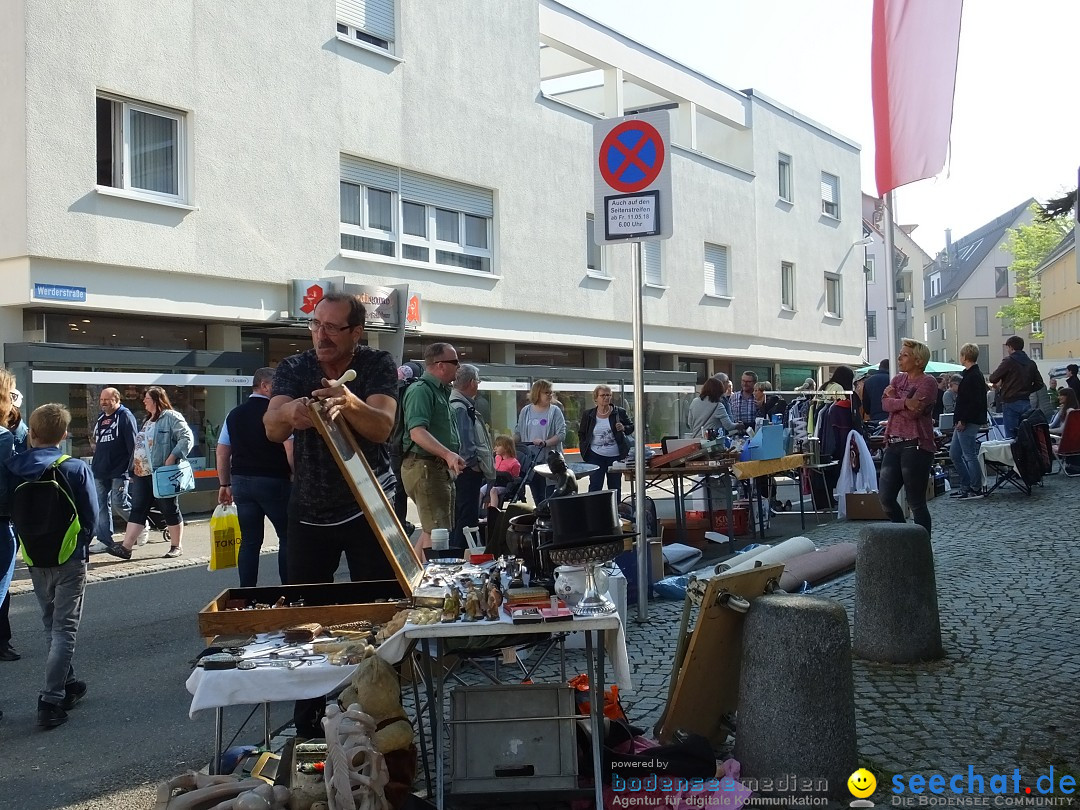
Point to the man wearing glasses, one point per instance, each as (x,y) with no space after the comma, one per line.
(325,520)
(430,444)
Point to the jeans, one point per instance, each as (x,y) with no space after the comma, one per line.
(111,493)
(466,505)
(1013,412)
(907,467)
(59,591)
(258,497)
(7,571)
(597,478)
(964,452)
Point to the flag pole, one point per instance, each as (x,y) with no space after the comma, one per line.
(890,282)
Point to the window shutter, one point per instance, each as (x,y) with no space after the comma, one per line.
(828,188)
(369,173)
(375,17)
(716,270)
(650,262)
(423,188)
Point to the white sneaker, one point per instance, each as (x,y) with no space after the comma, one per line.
(144,538)
(97,547)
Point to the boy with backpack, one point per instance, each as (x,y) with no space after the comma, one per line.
(54,510)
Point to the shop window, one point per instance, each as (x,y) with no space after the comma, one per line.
(525,355)
(99,330)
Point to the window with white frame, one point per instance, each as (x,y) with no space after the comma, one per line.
(367,21)
(141,148)
(833,302)
(984,353)
(830,195)
(717,280)
(594,253)
(935,285)
(783,172)
(787,285)
(868,268)
(650,264)
(1001,282)
(1036,352)
(982,321)
(397,213)
(871,325)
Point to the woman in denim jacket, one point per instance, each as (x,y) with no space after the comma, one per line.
(164,439)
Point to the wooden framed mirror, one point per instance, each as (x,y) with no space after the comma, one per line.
(369,495)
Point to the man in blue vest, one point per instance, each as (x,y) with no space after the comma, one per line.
(255,474)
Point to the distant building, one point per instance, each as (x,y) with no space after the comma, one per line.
(1061,301)
(965,287)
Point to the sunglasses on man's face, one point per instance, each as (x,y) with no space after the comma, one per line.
(454,362)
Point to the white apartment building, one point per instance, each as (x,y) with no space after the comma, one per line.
(908,263)
(165,188)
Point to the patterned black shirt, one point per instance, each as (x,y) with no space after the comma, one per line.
(320,494)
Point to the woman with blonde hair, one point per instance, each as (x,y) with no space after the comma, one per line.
(542,425)
(909,400)
(164,439)
(602,439)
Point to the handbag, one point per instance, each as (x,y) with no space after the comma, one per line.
(172,479)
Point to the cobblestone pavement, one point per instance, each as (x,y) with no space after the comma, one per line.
(1005,695)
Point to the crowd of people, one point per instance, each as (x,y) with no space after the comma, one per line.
(425,438)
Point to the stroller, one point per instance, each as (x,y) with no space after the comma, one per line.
(155,519)
(528,455)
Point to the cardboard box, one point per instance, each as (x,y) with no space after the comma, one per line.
(327,604)
(864,506)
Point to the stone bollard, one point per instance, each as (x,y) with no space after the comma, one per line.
(896,608)
(796,722)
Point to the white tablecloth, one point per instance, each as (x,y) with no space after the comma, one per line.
(230,687)
(393,649)
(997,451)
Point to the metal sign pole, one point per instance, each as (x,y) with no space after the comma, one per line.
(639,440)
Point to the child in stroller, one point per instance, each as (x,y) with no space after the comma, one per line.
(507,471)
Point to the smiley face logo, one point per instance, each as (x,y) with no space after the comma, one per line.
(862,783)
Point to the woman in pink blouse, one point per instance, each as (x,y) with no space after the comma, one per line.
(909,435)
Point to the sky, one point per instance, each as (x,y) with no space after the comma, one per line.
(1016,117)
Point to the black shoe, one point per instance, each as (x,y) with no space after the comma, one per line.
(9,654)
(73,693)
(49,715)
(118,550)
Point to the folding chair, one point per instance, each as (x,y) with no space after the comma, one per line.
(1069,444)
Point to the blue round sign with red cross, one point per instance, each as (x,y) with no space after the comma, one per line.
(631,156)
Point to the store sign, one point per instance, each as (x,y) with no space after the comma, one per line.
(381,304)
(59,292)
(412,312)
(306,294)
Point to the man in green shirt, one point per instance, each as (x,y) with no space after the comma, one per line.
(430,443)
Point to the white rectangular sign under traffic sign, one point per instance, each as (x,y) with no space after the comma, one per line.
(632,178)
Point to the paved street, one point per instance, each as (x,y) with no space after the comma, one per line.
(1004,697)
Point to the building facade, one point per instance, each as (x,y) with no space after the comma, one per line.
(966,286)
(169,192)
(1060,305)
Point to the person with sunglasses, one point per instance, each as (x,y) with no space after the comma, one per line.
(324,519)
(430,444)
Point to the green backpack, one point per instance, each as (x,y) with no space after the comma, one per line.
(46,520)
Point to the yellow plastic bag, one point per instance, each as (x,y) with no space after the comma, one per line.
(224,538)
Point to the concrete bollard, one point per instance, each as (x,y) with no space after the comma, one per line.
(796,723)
(896,608)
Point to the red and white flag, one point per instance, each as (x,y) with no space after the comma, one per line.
(913,79)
